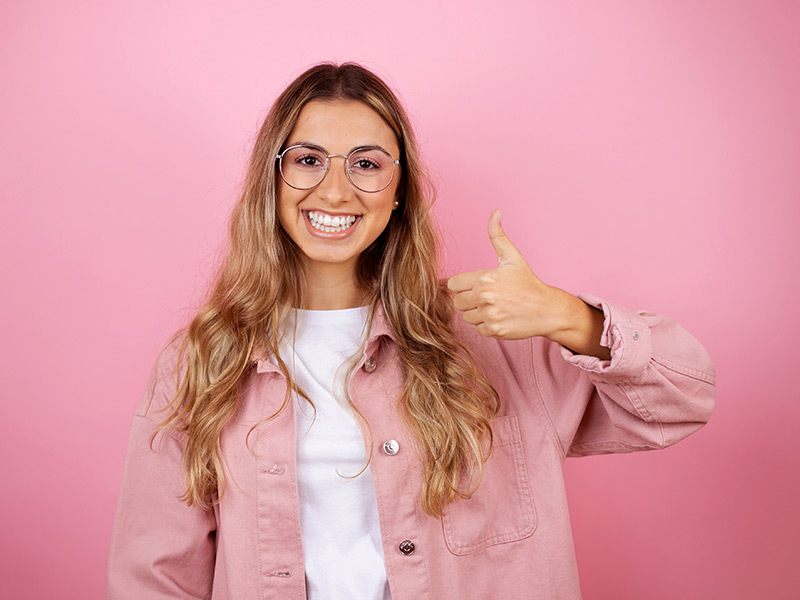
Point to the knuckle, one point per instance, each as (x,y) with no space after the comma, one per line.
(495,329)
(487,297)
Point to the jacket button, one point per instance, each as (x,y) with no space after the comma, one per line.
(370,364)
(391,447)
(407,547)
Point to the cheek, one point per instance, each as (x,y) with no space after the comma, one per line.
(280,210)
(383,205)
(284,203)
(383,212)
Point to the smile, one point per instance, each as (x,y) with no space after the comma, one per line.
(328,224)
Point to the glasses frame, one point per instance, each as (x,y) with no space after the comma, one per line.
(347,171)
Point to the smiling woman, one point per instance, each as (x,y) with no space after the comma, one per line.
(334,214)
(328,427)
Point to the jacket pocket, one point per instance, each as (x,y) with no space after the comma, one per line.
(502,509)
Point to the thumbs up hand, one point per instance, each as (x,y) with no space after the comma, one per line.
(510,302)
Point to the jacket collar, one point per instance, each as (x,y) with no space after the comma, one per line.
(380,328)
(380,325)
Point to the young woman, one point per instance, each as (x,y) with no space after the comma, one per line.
(336,423)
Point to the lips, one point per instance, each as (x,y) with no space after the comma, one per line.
(330,223)
(320,222)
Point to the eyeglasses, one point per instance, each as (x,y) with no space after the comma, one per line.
(369,168)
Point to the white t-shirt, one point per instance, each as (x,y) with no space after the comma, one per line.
(338,512)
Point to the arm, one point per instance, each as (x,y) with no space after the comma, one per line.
(641,380)
(656,389)
(160,548)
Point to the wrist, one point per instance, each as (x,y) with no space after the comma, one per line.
(580,327)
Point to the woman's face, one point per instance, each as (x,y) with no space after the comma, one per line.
(338,126)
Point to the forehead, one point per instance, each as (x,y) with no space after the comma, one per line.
(341,125)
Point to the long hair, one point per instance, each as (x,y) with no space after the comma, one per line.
(447,402)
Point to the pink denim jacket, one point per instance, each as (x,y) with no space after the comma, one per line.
(510,540)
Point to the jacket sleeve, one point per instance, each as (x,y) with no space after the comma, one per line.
(160,547)
(657,388)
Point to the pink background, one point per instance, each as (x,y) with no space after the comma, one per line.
(647,152)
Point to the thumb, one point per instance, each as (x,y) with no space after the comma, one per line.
(505,250)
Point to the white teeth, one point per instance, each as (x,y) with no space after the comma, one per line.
(328,224)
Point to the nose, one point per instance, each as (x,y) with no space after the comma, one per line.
(335,188)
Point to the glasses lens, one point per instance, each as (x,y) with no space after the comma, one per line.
(370,169)
(303,167)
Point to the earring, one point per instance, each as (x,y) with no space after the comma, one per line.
(396,203)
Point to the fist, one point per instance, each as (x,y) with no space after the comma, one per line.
(508,302)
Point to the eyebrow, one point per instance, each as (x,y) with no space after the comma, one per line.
(325,150)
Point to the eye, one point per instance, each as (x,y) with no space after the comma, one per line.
(369,162)
(305,158)
(309,160)
(365,164)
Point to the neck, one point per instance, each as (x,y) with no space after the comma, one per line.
(332,289)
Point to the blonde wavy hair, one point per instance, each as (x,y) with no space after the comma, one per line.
(447,402)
